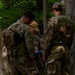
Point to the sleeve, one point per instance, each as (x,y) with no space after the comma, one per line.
(37,40)
(29,44)
(47,38)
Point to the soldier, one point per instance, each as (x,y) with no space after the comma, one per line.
(37,47)
(34,29)
(56,42)
(34,25)
(19,42)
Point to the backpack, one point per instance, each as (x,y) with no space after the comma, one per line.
(11,37)
(8,36)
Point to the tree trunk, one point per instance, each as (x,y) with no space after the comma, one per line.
(73,10)
(45,12)
(39,5)
(70,12)
(73,44)
(4,66)
(68,7)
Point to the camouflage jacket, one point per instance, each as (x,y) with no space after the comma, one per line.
(24,48)
(59,31)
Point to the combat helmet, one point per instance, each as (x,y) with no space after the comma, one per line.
(57,5)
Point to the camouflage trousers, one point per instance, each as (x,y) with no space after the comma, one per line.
(41,67)
(58,62)
(28,68)
(19,71)
(24,70)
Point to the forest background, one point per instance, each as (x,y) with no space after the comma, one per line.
(12,10)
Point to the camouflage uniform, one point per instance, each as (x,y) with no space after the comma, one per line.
(21,52)
(56,45)
(39,63)
(37,48)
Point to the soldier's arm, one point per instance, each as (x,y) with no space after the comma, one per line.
(38,41)
(29,43)
(48,36)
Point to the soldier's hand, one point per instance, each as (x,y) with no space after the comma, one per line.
(34,61)
(43,59)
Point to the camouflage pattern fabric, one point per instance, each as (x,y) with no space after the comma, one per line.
(56,44)
(40,65)
(21,52)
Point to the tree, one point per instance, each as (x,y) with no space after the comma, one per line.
(45,12)
(70,13)
(69,8)
(4,67)
(39,5)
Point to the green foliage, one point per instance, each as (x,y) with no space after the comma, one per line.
(13,10)
(10,16)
